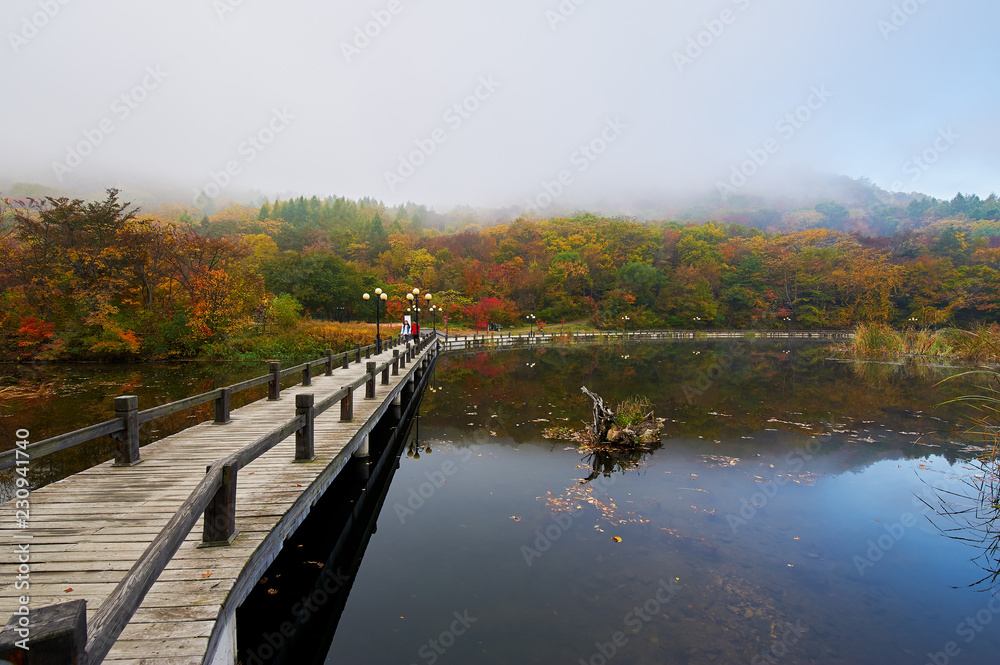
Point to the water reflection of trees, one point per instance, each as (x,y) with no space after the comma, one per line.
(761,381)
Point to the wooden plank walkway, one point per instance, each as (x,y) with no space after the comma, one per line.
(88,530)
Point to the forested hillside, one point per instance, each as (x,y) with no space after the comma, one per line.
(103,279)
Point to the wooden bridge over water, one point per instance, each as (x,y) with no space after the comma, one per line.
(145,558)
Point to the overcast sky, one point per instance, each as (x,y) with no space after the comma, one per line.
(490,103)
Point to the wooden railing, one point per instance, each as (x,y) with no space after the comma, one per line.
(215,498)
(523,340)
(124,427)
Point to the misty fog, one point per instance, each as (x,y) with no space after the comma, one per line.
(545,105)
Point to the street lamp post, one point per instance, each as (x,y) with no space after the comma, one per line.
(625,320)
(434,318)
(428,297)
(379,295)
(531,324)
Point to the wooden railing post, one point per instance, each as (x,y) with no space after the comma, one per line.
(307,379)
(368,352)
(127,441)
(395,362)
(220,515)
(222,405)
(385,375)
(347,406)
(274,390)
(347,360)
(329,362)
(402,357)
(305,442)
(52,635)
(370,385)
(358,352)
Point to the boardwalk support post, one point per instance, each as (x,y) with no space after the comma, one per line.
(274,388)
(362,451)
(347,406)
(127,441)
(222,404)
(305,441)
(220,515)
(329,362)
(58,634)
(370,384)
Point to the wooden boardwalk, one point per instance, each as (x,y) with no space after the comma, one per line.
(504,341)
(87,531)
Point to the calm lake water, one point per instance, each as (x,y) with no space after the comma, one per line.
(777,523)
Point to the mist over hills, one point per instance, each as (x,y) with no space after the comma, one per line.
(800,201)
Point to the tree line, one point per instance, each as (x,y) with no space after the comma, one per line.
(103,279)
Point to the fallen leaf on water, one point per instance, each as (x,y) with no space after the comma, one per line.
(272,591)
(515,518)
(617,539)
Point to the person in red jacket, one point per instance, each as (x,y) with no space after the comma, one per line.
(416,332)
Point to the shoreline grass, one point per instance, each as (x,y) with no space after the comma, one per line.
(879,341)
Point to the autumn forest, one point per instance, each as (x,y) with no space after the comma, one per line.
(103,279)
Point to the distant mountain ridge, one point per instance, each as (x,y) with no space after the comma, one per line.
(805,201)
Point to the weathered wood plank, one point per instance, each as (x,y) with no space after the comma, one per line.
(90,528)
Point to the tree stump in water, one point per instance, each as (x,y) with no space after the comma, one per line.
(604,418)
(635,428)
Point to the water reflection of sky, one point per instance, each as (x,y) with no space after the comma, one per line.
(803,555)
